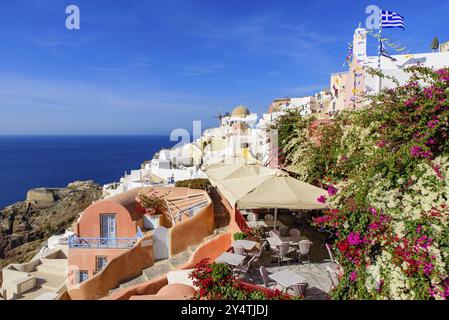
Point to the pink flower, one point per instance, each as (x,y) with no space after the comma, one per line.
(432,124)
(381,143)
(332,191)
(415,151)
(444,74)
(353,276)
(437,169)
(428,268)
(354,239)
(322,199)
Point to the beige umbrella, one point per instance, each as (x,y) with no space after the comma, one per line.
(274,191)
(237,171)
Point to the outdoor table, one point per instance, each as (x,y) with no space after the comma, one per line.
(287,278)
(293,240)
(277,241)
(246,244)
(256,224)
(274,241)
(231,259)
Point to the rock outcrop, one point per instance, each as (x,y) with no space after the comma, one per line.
(24,226)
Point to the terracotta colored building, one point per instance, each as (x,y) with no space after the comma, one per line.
(109,228)
(106,229)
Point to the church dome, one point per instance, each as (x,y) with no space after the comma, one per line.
(240,111)
(274,108)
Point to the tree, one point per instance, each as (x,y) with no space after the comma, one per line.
(435,44)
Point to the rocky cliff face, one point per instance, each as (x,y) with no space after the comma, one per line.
(24,226)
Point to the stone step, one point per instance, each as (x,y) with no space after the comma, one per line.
(49,281)
(193,248)
(162,267)
(140,279)
(51,269)
(158,269)
(180,258)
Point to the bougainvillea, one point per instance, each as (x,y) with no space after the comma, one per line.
(388,200)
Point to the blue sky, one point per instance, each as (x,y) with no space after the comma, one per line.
(147,67)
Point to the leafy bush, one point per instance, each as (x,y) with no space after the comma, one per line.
(198,184)
(240,236)
(386,169)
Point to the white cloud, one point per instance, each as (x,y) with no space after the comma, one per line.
(30,105)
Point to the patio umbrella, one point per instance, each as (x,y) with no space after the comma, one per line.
(272,191)
(235,171)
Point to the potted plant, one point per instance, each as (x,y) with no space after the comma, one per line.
(240,236)
(154,206)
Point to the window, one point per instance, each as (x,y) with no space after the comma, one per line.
(108,226)
(81,276)
(102,261)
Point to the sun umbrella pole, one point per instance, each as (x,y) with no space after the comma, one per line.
(275,218)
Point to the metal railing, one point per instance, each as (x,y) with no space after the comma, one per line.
(190,211)
(101,243)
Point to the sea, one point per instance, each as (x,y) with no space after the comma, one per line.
(28,162)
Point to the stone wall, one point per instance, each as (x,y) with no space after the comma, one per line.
(211,249)
(192,231)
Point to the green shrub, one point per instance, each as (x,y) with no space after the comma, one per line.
(240,236)
(198,184)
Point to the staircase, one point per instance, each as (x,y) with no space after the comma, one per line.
(162,267)
(53,266)
(51,274)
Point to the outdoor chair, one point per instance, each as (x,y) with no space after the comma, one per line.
(239,250)
(304,250)
(274,233)
(251,217)
(268,218)
(282,254)
(300,289)
(258,255)
(283,231)
(243,270)
(331,255)
(295,233)
(266,279)
(333,277)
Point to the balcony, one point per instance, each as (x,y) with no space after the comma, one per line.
(101,243)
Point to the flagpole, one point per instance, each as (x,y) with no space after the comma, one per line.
(379,62)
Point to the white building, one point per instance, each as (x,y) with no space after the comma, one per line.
(360,83)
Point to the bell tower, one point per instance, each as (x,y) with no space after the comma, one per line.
(360,44)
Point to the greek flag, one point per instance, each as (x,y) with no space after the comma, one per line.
(391,19)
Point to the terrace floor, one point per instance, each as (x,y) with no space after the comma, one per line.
(314,272)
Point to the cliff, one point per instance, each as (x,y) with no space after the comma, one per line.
(25,225)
